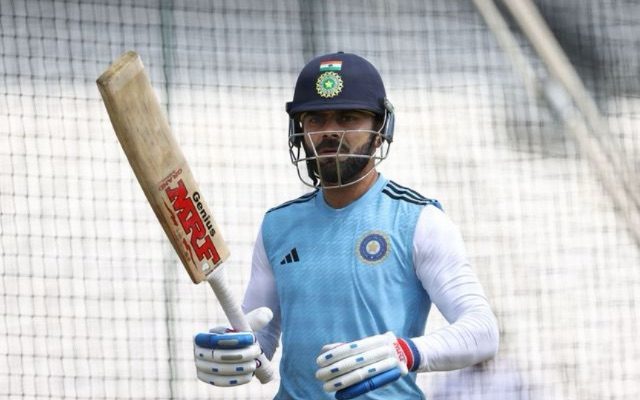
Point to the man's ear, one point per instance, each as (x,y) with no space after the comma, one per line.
(378,141)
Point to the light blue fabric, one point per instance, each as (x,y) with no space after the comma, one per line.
(344,274)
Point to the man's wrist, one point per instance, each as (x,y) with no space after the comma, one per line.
(411,352)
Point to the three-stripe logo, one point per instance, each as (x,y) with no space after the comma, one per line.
(291,257)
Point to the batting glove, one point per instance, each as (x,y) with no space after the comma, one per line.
(224,357)
(359,367)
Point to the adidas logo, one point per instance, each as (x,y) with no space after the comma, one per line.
(291,257)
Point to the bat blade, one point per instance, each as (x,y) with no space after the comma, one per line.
(168,183)
(160,166)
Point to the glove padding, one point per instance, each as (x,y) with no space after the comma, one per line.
(224,357)
(358,367)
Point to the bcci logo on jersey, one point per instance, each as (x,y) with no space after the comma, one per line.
(373,247)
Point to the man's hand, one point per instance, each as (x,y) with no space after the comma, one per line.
(227,358)
(364,365)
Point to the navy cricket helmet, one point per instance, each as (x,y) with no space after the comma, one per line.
(341,81)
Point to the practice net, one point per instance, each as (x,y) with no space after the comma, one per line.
(93,301)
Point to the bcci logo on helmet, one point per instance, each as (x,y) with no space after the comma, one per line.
(329,84)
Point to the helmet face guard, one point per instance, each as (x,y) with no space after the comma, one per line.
(345,168)
(335,82)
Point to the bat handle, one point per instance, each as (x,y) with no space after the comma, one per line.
(237,319)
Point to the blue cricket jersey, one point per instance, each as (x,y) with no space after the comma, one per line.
(344,274)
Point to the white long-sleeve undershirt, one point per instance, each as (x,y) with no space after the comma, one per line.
(443,268)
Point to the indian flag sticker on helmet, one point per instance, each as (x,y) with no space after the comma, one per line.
(329,84)
(330,66)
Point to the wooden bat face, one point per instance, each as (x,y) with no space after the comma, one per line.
(160,166)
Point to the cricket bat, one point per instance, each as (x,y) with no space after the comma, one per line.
(166,179)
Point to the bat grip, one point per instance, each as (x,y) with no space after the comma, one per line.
(237,319)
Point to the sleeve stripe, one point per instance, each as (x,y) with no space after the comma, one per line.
(398,192)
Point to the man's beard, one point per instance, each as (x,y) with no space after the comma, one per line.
(350,167)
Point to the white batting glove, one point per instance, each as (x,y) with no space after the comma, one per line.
(358,367)
(227,358)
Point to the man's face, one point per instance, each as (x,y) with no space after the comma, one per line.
(341,141)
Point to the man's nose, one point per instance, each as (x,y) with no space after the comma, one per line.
(332,125)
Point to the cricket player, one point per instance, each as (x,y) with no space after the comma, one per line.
(350,270)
